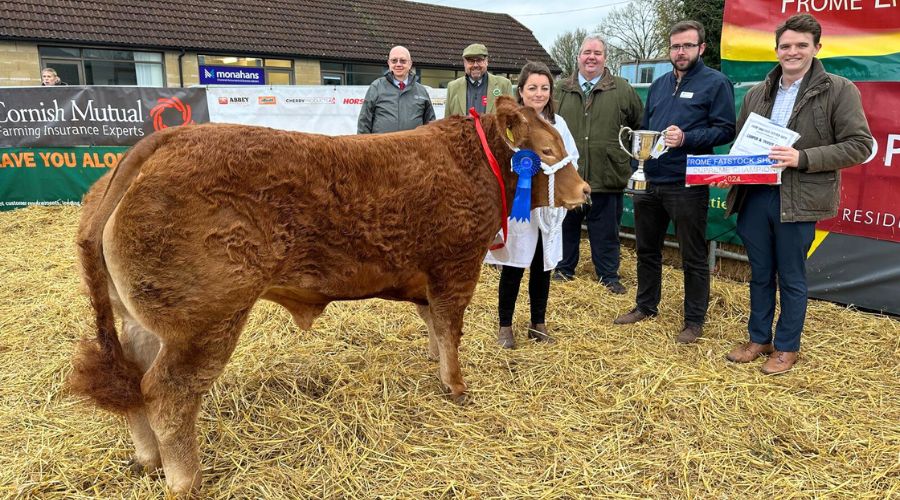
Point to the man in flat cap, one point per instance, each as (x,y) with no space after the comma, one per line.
(478,89)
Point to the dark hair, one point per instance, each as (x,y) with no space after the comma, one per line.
(801,23)
(682,26)
(539,68)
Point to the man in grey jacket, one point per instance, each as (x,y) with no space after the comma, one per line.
(777,223)
(396,101)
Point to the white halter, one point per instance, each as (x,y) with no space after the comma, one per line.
(550,218)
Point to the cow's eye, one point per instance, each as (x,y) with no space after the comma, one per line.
(547,152)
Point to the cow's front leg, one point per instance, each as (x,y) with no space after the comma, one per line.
(433,350)
(447,311)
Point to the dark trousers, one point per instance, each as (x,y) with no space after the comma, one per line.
(686,207)
(777,252)
(603,218)
(538,289)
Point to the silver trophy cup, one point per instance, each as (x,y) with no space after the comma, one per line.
(642,142)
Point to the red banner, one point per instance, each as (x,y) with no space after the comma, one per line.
(869,192)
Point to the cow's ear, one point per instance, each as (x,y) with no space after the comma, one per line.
(513,122)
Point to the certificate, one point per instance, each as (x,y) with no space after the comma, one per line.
(759,135)
(733,169)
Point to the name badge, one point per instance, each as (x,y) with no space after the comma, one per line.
(687,95)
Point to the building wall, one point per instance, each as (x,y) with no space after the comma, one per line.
(189,68)
(628,71)
(19,64)
(307,72)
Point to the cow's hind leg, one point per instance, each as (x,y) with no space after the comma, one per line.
(433,350)
(172,389)
(447,303)
(141,346)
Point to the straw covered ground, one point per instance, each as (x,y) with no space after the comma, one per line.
(353,408)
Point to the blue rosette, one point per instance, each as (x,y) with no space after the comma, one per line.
(525,163)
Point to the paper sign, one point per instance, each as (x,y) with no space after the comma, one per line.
(759,135)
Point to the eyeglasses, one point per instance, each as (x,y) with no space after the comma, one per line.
(474,60)
(686,46)
(398,61)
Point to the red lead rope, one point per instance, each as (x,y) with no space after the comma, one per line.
(496,168)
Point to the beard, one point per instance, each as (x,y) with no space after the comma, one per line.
(688,65)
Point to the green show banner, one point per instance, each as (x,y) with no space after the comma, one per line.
(52,176)
(884,68)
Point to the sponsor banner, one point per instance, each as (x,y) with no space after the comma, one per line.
(733,169)
(64,116)
(52,176)
(330,110)
(868,204)
(860,38)
(231,75)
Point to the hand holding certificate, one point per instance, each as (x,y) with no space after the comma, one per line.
(759,147)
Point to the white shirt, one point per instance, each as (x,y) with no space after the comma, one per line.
(521,242)
(784,103)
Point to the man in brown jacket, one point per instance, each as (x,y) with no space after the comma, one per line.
(777,223)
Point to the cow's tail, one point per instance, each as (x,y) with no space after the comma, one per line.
(100,370)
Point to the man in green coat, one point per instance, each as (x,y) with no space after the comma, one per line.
(478,89)
(595,104)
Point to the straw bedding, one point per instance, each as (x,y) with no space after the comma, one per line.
(354,408)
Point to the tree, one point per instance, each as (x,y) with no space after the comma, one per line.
(668,12)
(632,32)
(709,13)
(565,50)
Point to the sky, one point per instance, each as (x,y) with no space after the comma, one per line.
(545,18)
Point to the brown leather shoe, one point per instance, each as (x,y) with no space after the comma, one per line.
(538,333)
(690,334)
(748,351)
(779,362)
(505,337)
(630,317)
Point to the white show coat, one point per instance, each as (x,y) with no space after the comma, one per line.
(522,240)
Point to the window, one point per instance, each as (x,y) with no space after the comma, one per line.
(335,73)
(277,71)
(438,78)
(91,66)
(646,75)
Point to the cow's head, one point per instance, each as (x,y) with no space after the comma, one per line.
(525,129)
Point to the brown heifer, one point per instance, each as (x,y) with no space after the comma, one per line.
(198,223)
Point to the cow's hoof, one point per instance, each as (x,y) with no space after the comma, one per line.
(433,356)
(461,399)
(136,468)
(458,396)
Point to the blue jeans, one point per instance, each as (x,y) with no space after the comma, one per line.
(776,250)
(687,208)
(603,218)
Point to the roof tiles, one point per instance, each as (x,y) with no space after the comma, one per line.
(356,30)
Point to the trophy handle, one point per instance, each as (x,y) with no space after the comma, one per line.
(665,148)
(624,129)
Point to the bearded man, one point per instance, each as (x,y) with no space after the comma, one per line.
(694,106)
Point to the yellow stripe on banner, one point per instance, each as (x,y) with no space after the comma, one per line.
(743,44)
(820,237)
